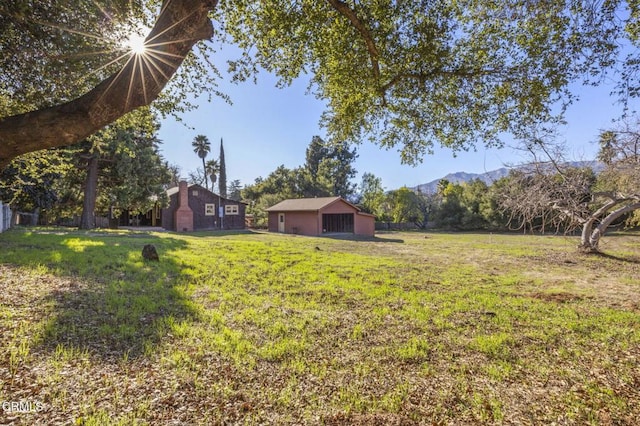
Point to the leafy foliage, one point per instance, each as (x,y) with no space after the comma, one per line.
(202,147)
(416,74)
(56,51)
(46,43)
(405,205)
(235,190)
(371,194)
(327,172)
(331,163)
(212,168)
(32,181)
(410,75)
(131,174)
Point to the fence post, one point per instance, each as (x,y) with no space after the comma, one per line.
(2,224)
(5,217)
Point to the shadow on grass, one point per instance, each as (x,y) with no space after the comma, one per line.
(105,298)
(630,259)
(217,233)
(364,238)
(347,236)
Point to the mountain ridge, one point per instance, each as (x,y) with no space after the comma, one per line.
(491,176)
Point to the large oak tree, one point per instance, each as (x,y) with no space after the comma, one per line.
(179,25)
(406,74)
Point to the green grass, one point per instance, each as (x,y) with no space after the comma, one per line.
(256,328)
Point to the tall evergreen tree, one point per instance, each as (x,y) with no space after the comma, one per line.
(235,190)
(121,168)
(330,167)
(222,173)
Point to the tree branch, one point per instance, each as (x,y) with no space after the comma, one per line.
(351,15)
(422,77)
(569,214)
(594,238)
(180,25)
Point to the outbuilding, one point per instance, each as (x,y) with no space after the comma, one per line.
(319,216)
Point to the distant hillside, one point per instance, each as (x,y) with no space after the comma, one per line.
(491,176)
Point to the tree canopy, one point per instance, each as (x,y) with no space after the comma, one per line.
(201,146)
(405,74)
(415,74)
(327,171)
(69,71)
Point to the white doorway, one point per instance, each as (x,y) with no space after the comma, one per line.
(281,222)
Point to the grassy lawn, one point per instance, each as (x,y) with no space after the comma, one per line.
(252,328)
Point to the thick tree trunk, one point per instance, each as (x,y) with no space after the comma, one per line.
(87,220)
(204,169)
(591,245)
(587,227)
(36,216)
(180,25)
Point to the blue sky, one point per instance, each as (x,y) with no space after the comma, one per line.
(266,127)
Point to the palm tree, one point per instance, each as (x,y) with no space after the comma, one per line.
(212,168)
(202,147)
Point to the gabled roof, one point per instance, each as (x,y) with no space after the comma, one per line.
(174,190)
(306,204)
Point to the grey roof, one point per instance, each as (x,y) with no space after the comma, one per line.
(305,204)
(176,189)
(173,190)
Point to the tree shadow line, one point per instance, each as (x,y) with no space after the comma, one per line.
(345,236)
(624,259)
(113,304)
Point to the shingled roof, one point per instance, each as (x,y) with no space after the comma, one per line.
(305,204)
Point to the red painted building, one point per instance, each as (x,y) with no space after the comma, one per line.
(319,216)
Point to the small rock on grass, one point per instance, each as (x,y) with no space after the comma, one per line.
(149,252)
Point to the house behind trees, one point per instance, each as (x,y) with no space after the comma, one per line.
(195,208)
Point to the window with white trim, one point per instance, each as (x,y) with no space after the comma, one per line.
(231,209)
(209,209)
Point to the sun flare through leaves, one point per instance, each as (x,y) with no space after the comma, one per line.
(124,50)
(136,44)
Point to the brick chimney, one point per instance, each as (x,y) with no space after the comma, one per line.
(184,214)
